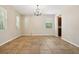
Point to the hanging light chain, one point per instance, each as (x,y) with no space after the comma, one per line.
(37,11)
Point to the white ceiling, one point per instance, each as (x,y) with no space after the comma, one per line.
(45,9)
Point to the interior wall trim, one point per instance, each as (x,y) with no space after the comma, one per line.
(70,42)
(10,40)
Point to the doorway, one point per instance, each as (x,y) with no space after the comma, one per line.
(59,26)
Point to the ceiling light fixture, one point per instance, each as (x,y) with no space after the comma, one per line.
(37,11)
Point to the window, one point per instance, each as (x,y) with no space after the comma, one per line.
(3,17)
(17,22)
(48,24)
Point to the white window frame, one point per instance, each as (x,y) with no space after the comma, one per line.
(4,11)
(17,22)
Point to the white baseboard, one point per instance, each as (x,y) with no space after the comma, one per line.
(70,42)
(10,40)
(56,35)
(37,35)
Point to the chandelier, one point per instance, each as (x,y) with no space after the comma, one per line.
(37,11)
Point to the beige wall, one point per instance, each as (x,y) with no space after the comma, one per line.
(70,24)
(35,25)
(11,30)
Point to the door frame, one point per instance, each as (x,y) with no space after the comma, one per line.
(56,25)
